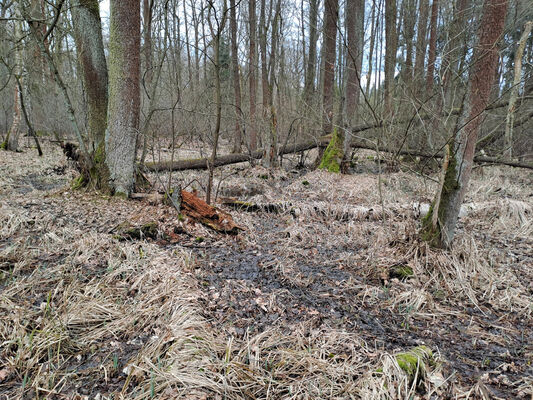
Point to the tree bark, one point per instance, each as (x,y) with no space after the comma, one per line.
(421,42)
(237,139)
(391,43)
(514,90)
(331,16)
(355,11)
(252,79)
(309,83)
(12,139)
(440,224)
(92,63)
(124,94)
(432,47)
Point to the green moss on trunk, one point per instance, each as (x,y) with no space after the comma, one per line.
(332,158)
(431,233)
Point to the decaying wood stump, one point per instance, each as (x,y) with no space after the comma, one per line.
(198,210)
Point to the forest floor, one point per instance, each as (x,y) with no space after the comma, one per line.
(315,300)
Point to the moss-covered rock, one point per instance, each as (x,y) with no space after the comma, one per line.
(332,158)
(416,361)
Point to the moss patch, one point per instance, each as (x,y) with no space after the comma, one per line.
(416,361)
(332,158)
(433,233)
(401,272)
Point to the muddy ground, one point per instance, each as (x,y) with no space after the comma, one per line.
(84,314)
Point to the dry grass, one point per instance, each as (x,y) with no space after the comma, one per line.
(83,314)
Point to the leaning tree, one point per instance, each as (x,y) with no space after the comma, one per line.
(440,223)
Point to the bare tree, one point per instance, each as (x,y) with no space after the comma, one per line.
(432,47)
(391,40)
(440,223)
(237,139)
(252,59)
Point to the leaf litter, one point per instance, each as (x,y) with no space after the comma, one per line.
(300,305)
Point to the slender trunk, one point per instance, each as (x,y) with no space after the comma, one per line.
(391,40)
(124,94)
(421,42)
(432,47)
(514,90)
(188,48)
(373,34)
(216,34)
(309,83)
(237,140)
(440,223)
(409,33)
(252,79)
(331,15)
(332,156)
(12,139)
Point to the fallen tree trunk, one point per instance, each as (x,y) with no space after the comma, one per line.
(202,163)
(337,212)
(198,210)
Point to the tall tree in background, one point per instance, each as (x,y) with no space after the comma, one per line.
(421,43)
(333,155)
(355,12)
(237,140)
(432,47)
(391,45)
(12,139)
(440,223)
(124,93)
(310,71)
(92,63)
(252,57)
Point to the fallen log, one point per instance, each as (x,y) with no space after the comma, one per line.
(198,210)
(202,163)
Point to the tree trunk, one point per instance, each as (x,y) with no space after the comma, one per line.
(12,139)
(124,94)
(92,63)
(253,69)
(309,83)
(331,158)
(237,140)
(355,11)
(514,90)
(331,16)
(421,42)
(432,47)
(440,224)
(409,33)
(391,40)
